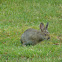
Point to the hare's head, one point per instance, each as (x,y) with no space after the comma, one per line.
(44,30)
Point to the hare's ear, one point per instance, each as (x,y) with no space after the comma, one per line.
(41,26)
(46,25)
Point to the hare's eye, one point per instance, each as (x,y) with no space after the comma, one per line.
(45,34)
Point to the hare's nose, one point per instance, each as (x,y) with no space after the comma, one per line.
(48,37)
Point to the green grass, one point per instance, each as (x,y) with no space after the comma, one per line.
(18,15)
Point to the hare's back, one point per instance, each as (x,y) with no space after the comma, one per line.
(31,31)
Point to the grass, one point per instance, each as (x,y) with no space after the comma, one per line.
(16,16)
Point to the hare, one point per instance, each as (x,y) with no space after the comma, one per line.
(32,36)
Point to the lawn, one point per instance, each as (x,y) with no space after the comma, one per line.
(18,15)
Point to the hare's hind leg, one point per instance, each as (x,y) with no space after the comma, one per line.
(28,43)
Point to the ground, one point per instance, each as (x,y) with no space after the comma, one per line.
(18,15)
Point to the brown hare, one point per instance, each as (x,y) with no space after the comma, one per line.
(32,36)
